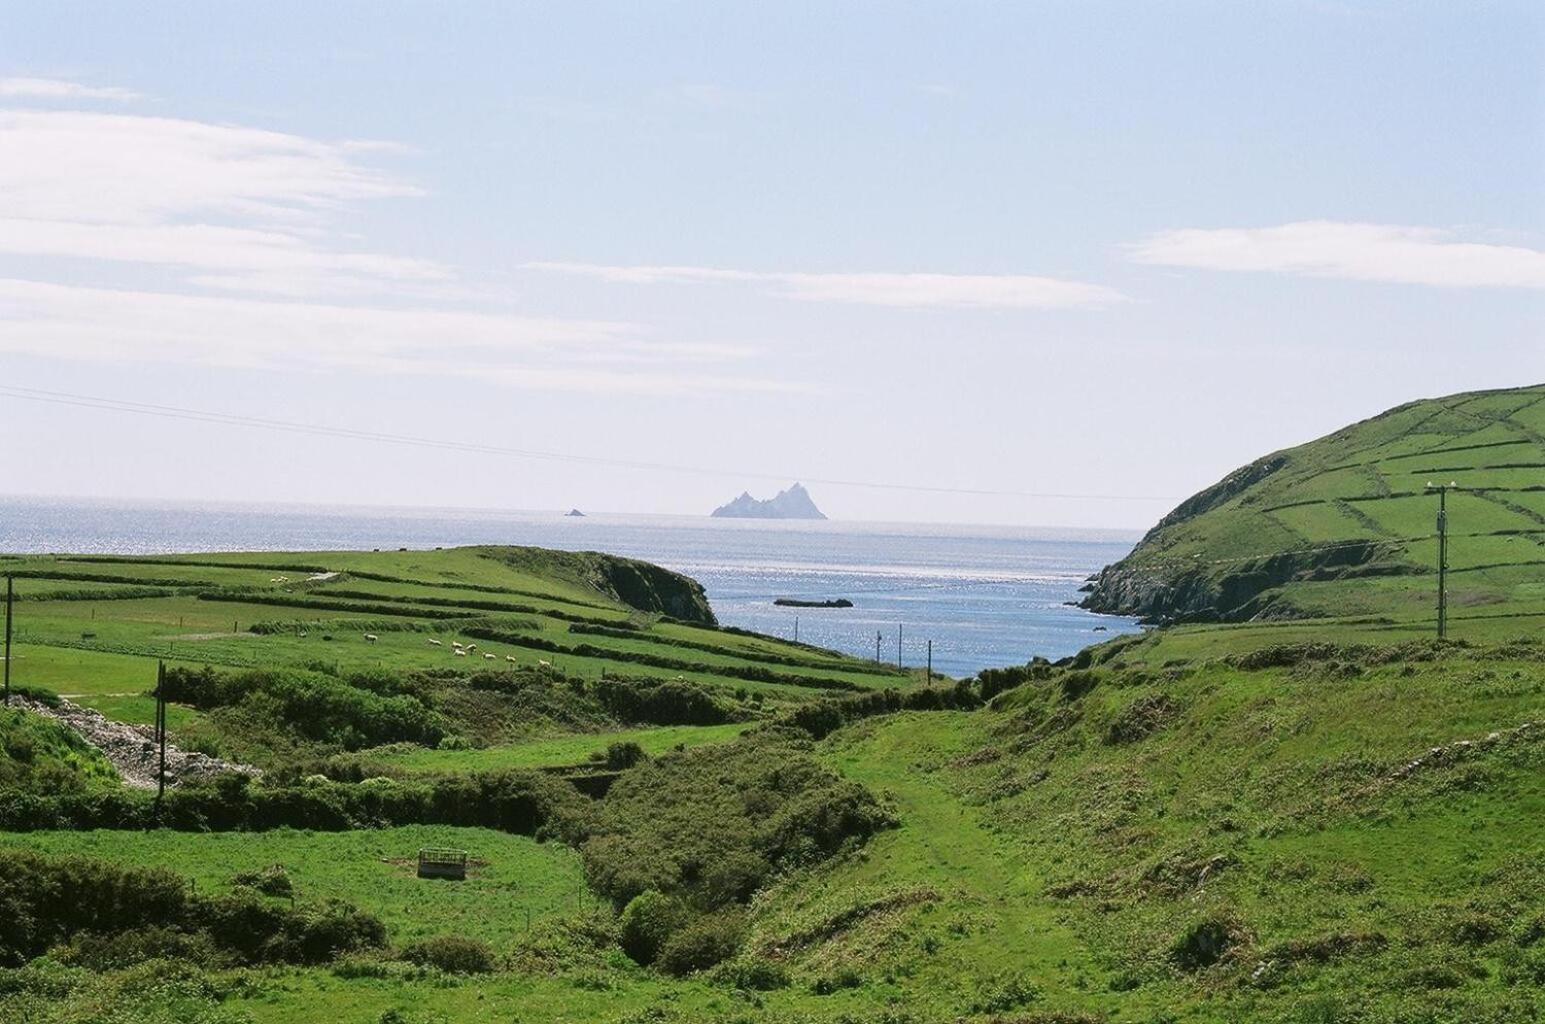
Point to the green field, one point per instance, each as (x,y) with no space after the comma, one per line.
(1344,527)
(512,877)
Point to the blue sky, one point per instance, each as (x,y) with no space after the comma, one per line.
(1073,249)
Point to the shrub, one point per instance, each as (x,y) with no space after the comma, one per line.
(1003,993)
(453,954)
(756,973)
(1206,941)
(713,822)
(125,914)
(270,881)
(1139,719)
(648,922)
(703,943)
(623,755)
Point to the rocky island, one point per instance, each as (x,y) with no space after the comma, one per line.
(794,503)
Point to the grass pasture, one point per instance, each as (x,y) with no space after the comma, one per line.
(511,876)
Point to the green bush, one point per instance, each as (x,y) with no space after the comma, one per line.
(1207,940)
(623,755)
(712,823)
(648,922)
(365,710)
(703,943)
(47,902)
(453,954)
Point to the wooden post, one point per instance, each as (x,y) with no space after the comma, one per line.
(10,604)
(160,736)
(930,661)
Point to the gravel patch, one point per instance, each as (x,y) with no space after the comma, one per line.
(132,748)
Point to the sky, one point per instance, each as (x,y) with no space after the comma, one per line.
(1030,263)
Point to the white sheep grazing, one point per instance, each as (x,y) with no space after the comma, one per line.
(544,663)
(459,653)
(510,657)
(435,642)
(488,657)
(472,647)
(371,638)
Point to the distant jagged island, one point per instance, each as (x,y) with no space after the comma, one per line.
(793,503)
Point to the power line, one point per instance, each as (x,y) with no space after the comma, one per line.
(322,430)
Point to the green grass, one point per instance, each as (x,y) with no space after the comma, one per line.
(1364,483)
(512,876)
(75,642)
(555,751)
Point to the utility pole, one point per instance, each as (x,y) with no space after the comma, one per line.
(1442,490)
(898,645)
(796,629)
(878,636)
(930,661)
(10,602)
(160,736)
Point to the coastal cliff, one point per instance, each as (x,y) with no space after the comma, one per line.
(638,584)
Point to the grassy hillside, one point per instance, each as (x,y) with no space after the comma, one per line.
(1343,527)
(91,626)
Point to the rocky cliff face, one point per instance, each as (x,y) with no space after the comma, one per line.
(794,503)
(638,584)
(1163,593)
(650,588)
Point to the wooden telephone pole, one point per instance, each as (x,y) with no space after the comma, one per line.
(160,736)
(10,603)
(1442,490)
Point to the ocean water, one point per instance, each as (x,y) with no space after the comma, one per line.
(985,595)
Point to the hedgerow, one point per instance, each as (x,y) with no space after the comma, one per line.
(50,901)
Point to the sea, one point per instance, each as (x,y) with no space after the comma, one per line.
(983,596)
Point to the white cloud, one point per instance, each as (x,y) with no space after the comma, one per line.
(236,208)
(1353,251)
(201,210)
(61,89)
(108,325)
(130,169)
(982,291)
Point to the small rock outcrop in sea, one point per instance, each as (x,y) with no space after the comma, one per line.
(794,503)
(798,602)
(575,513)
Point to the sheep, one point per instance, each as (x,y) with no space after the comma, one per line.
(510,657)
(459,653)
(544,663)
(456,644)
(371,638)
(489,657)
(472,647)
(435,642)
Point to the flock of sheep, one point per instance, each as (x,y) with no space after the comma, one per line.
(458,649)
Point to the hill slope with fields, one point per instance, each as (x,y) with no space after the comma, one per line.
(1344,526)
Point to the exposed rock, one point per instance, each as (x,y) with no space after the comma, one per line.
(132,748)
